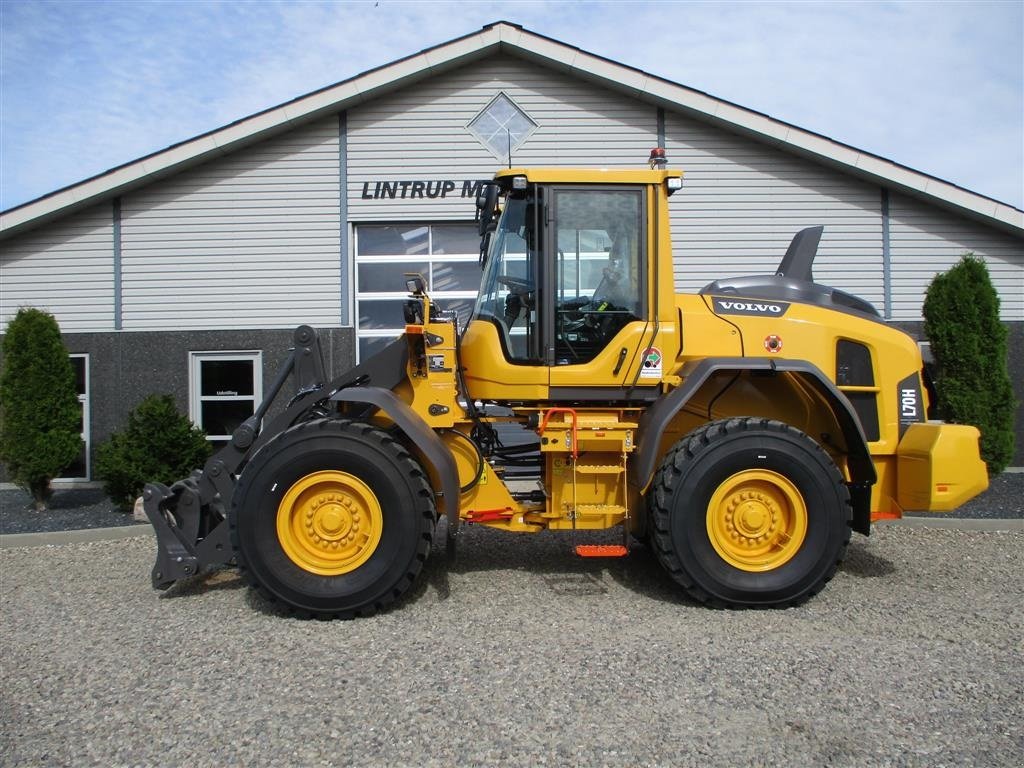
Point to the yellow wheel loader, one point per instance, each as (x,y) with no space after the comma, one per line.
(741,432)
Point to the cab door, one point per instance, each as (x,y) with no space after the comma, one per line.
(595,329)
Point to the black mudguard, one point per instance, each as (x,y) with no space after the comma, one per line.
(433,448)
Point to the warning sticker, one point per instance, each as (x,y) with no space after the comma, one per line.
(652,364)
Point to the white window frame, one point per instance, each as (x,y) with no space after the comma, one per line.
(83,399)
(195,390)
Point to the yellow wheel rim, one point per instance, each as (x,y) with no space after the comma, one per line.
(757,520)
(329,523)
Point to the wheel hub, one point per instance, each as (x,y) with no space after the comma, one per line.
(757,520)
(329,523)
(751,517)
(332,519)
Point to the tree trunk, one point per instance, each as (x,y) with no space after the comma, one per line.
(41,493)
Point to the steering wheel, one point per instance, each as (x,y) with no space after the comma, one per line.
(573,312)
(516,285)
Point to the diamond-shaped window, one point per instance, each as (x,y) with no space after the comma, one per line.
(502,126)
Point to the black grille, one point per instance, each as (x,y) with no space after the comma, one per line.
(853,365)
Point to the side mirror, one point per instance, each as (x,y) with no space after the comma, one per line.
(414,283)
(486,204)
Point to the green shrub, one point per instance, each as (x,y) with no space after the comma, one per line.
(961,320)
(40,430)
(158,444)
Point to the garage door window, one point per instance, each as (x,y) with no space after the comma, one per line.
(447,255)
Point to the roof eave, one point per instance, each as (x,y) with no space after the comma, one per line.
(530,46)
(765,129)
(333,99)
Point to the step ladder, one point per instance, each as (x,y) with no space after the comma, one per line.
(602,550)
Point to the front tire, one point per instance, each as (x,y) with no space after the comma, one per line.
(749,512)
(333,519)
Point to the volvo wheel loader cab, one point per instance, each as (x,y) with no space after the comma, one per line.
(743,432)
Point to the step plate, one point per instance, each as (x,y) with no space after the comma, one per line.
(601,550)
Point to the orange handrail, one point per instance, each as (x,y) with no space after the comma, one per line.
(575,425)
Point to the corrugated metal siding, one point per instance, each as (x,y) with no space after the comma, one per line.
(247,241)
(420,133)
(742,202)
(928,240)
(65,268)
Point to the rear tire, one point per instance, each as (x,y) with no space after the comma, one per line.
(332,518)
(749,512)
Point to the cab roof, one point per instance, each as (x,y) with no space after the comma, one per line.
(589,175)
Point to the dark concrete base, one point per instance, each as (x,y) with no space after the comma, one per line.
(126,367)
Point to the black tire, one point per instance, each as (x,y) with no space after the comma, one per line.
(726,508)
(344,473)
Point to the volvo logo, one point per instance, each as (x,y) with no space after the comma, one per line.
(748,307)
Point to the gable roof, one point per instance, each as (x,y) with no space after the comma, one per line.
(505,37)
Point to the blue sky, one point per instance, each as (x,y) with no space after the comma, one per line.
(936,86)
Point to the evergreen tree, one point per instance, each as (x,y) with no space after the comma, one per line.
(158,444)
(40,429)
(961,320)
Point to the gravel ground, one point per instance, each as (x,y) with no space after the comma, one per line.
(520,655)
(89,508)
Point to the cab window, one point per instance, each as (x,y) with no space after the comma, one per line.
(597,276)
(508,293)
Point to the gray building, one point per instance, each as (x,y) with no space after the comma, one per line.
(185,271)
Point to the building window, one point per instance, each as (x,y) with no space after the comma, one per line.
(502,127)
(448,257)
(80,468)
(225,388)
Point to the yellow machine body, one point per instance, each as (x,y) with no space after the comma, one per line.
(586,449)
(937,468)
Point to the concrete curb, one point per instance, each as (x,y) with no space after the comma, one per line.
(56,538)
(959,523)
(13,540)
